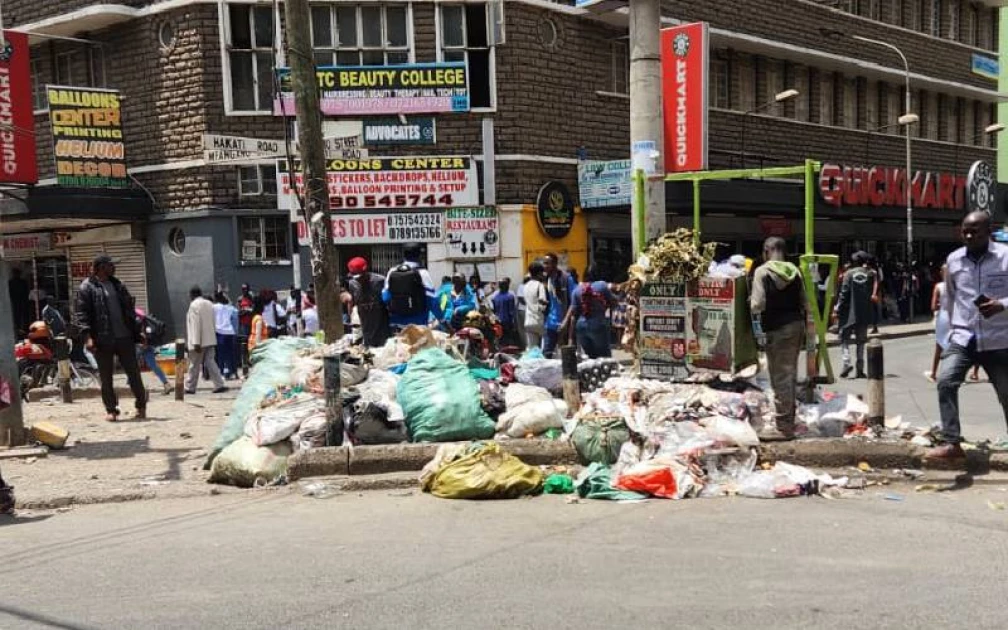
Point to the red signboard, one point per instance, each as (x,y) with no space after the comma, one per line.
(17,122)
(886,186)
(685,59)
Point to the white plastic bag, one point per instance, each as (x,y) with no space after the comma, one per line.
(516,395)
(737,432)
(279,422)
(532,418)
(245,465)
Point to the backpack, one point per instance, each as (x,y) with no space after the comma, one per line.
(154,329)
(408,295)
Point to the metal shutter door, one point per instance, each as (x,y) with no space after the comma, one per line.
(131,270)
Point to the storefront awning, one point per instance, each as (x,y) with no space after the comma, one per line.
(57,207)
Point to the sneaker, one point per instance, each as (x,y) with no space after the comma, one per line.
(141,413)
(220,390)
(946,451)
(846,371)
(168,389)
(861,375)
(190,392)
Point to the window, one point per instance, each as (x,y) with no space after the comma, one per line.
(250,56)
(747,83)
(464,37)
(620,67)
(936,14)
(871,112)
(256,180)
(804,100)
(953,20)
(894,108)
(915,16)
(774,86)
(871,9)
(65,63)
(930,117)
(176,241)
(969,29)
(719,84)
(990,139)
(826,98)
(264,239)
(969,122)
(848,113)
(367,35)
(96,67)
(39,98)
(896,12)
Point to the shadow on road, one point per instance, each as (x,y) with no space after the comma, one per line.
(37,618)
(10,519)
(124,449)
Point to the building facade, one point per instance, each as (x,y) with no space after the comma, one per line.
(548,86)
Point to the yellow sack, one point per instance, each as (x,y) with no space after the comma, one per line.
(482,471)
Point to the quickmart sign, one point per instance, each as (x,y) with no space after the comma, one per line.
(417,130)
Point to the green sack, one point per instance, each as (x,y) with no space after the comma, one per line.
(595,482)
(483,471)
(558,484)
(599,439)
(441,400)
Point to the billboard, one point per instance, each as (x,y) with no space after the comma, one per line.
(416,88)
(18,162)
(382,227)
(87,137)
(685,59)
(603,184)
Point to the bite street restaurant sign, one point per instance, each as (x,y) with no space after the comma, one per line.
(87,137)
(382,227)
(472,233)
(391,183)
(886,186)
(419,88)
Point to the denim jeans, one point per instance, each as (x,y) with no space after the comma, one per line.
(956,361)
(147,354)
(860,332)
(550,341)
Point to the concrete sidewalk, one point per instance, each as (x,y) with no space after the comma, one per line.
(891,331)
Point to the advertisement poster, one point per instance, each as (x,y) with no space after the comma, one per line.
(87,137)
(604,184)
(663,330)
(18,162)
(419,88)
(398,183)
(390,227)
(711,330)
(472,233)
(684,61)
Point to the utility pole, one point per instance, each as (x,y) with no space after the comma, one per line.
(12,431)
(316,198)
(646,114)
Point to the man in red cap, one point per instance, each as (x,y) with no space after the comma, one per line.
(366,290)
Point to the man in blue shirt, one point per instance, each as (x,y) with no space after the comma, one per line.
(559,288)
(976,299)
(505,307)
(409,291)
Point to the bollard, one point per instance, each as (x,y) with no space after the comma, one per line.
(333,399)
(61,350)
(876,384)
(571,382)
(180,369)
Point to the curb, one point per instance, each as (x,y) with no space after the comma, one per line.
(834,340)
(66,501)
(819,454)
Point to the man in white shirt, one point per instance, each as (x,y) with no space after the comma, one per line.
(201,333)
(309,316)
(536,303)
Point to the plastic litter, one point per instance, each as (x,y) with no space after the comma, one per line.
(246,465)
(594,482)
(480,470)
(531,410)
(558,484)
(278,422)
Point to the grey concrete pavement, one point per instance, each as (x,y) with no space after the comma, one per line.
(398,559)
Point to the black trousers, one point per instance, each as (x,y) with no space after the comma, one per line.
(125,351)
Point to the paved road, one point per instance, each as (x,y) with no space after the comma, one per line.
(910,394)
(385,560)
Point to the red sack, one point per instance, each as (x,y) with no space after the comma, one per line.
(658,482)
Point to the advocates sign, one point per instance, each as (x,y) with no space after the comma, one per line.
(387,227)
(390,131)
(18,162)
(419,88)
(886,186)
(685,59)
(390,183)
(87,137)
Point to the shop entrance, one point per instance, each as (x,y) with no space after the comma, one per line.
(45,277)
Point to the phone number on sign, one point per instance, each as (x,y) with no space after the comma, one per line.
(391,201)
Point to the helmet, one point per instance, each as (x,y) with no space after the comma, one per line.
(39,331)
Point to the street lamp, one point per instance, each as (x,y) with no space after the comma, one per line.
(902,121)
(779,97)
(989,130)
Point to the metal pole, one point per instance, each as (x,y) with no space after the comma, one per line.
(876,384)
(181,366)
(810,169)
(696,212)
(640,225)
(909,191)
(333,399)
(646,109)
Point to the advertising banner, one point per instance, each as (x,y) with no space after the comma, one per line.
(472,233)
(219,148)
(604,184)
(388,227)
(18,162)
(711,331)
(87,137)
(419,88)
(685,59)
(391,132)
(396,183)
(663,330)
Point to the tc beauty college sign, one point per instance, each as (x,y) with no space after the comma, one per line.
(685,59)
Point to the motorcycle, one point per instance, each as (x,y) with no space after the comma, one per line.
(38,367)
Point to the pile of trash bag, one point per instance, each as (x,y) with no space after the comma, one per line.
(479,470)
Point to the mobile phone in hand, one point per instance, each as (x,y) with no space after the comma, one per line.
(980,299)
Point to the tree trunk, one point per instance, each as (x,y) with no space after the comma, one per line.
(315,206)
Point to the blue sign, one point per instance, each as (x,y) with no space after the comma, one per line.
(384,132)
(604,184)
(986,67)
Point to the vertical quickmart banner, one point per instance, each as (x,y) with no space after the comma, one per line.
(18,164)
(685,60)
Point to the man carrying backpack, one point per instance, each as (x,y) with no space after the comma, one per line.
(589,303)
(366,289)
(152,331)
(409,291)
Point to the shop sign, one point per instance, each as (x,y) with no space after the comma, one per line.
(218,149)
(394,183)
(555,209)
(87,137)
(980,184)
(886,186)
(684,60)
(391,132)
(18,161)
(419,88)
(986,67)
(775,227)
(472,233)
(663,331)
(22,244)
(604,184)
(379,228)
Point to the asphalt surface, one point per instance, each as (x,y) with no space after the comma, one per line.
(396,559)
(911,395)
